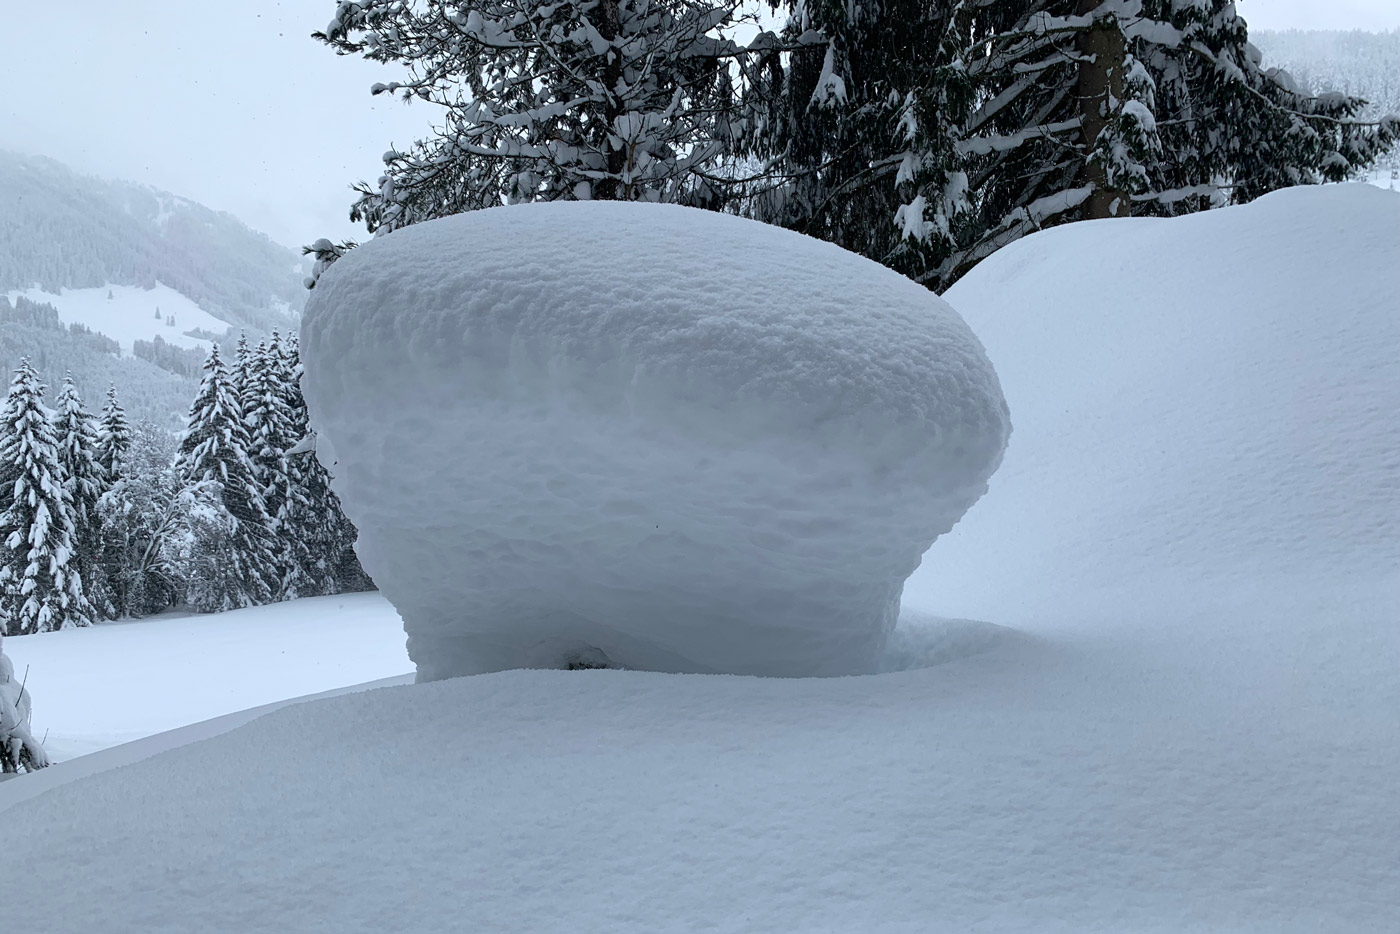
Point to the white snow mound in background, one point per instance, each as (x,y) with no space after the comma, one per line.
(667,438)
(1207,415)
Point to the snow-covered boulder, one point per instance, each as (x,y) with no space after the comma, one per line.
(642,435)
(1206,415)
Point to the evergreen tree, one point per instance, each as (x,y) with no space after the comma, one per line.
(238,373)
(318,520)
(40,589)
(631,100)
(113,435)
(233,561)
(271,433)
(86,480)
(928,134)
(148,525)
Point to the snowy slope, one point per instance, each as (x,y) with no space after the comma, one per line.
(116,682)
(1205,417)
(129,315)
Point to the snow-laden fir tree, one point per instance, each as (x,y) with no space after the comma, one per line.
(113,435)
(928,134)
(238,371)
(633,100)
(148,520)
(86,480)
(271,432)
(233,561)
(40,587)
(317,519)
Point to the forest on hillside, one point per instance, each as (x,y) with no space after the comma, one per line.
(153,390)
(60,229)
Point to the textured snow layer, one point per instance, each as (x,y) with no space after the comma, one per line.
(685,441)
(1206,408)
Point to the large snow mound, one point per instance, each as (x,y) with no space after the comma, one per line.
(1206,410)
(644,435)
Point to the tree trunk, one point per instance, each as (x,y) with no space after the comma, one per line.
(609,26)
(1100,88)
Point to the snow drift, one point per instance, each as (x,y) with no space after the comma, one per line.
(1206,409)
(642,435)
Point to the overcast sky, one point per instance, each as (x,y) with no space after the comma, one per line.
(233,105)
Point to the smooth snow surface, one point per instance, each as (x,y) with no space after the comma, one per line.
(115,682)
(1221,779)
(645,435)
(1207,418)
(129,315)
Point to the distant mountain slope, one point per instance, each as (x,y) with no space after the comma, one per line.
(147,392)
(60,229)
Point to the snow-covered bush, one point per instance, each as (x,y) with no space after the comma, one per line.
(19,751)
(649,435)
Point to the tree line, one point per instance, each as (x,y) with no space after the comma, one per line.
(924,134)
(102,519)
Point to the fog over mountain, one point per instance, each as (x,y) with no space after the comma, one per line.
(124,283)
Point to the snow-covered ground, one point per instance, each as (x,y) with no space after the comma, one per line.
(129,315)
(1174,738)
(115,682)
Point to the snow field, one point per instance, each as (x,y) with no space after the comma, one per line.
(116,682)
(658,454)
(129,315)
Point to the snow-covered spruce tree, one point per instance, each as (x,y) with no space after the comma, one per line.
(19,751)
(147,528)
(317,519)
(113,435)
(86,480)
(233,558)
(984,122)
(238,371)
(270,433)
(582,99)
(40,588)
(861,123)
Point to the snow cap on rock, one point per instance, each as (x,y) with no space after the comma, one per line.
(643,435)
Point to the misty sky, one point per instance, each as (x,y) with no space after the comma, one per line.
(233,105)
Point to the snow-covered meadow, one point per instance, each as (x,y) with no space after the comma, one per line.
(1179,715)
(117,682)
(128,313)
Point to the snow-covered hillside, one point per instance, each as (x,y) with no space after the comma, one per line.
(128,313)
(1192,728)
(62,230)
